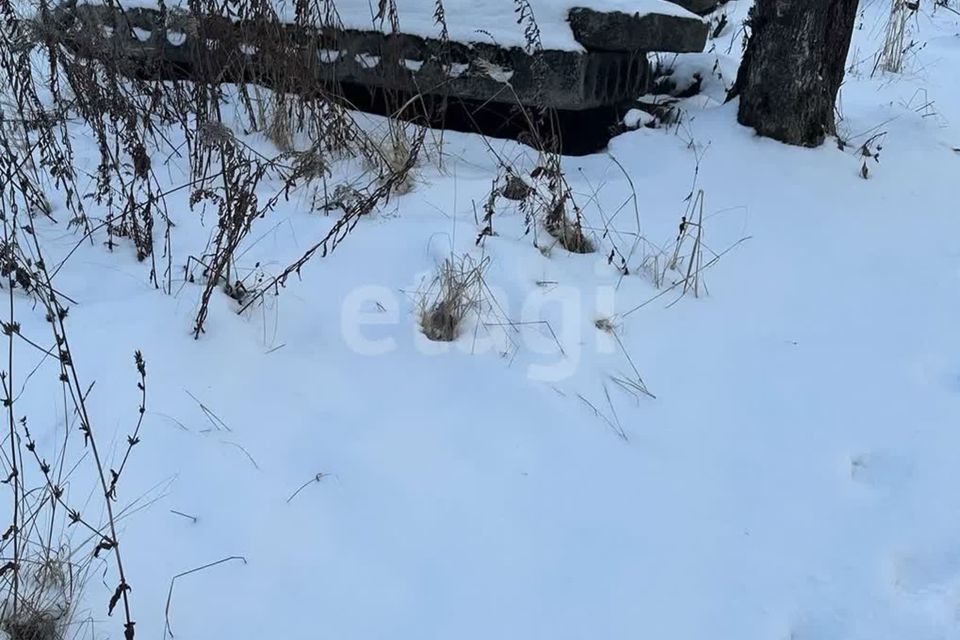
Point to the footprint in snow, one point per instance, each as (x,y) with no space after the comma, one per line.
(929,583)
(953,382)
(928,572)
(938,371)
(822,624)
(881,469)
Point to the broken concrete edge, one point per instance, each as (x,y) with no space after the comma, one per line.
(622,32)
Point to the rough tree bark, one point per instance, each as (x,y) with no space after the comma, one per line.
(793,68)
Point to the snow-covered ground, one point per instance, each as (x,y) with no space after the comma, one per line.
(794,477)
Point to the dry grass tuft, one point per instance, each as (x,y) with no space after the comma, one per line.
(605,324)
(455,293)
(516,189)
(279,129)
(569,234)
(890,58)
(399,156)
(31,624)
(553,204)
(214,134)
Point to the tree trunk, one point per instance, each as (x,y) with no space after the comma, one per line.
(793,67)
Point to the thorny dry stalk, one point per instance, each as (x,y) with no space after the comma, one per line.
(36,147)
(23,264)
(56,317)
(13,479)
(689,228)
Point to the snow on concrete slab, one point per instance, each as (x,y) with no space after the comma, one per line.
(491,21)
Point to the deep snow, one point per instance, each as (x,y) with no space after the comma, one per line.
(794,478)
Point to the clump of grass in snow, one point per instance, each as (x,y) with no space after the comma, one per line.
(47,595)
(516,188)
(455,293)
(279,128)
(398,154)
(605,324)
(567,229)
(33,625)
(891,57)
(569,233)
